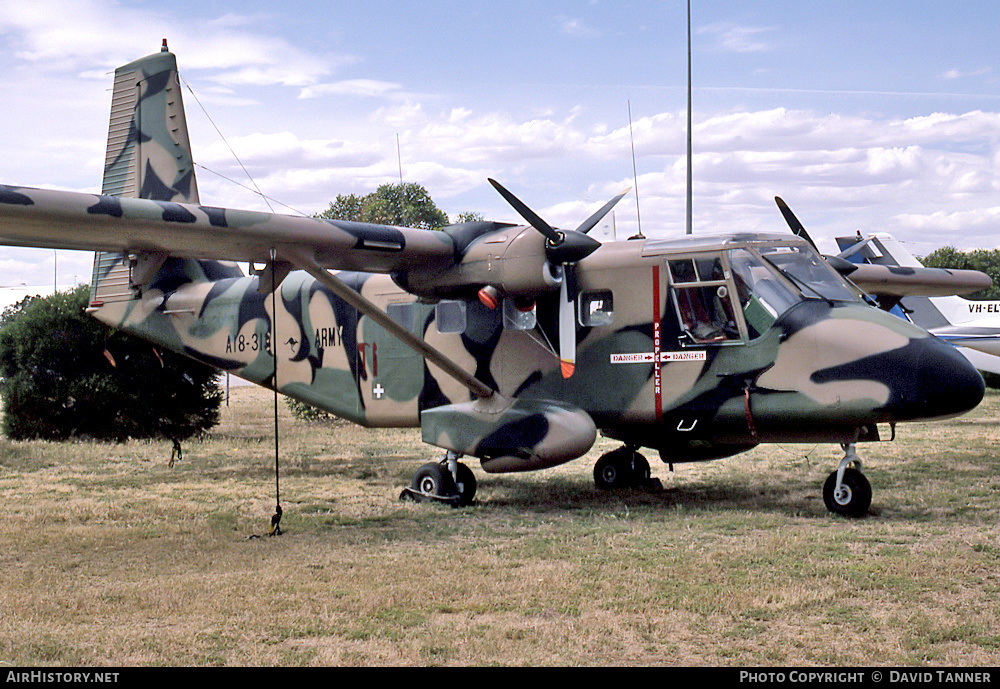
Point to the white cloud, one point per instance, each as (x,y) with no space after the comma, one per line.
(56,35)
(932,178)
(732,38)
(958,74)
(573,26)
(353,87)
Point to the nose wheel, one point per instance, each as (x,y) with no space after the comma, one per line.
(847,492)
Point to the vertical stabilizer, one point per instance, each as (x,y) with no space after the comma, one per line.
(148,157)
(149,153)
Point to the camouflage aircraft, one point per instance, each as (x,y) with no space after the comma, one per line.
(513,344)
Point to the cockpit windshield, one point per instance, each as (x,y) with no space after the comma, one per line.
(810,273)
(770,282)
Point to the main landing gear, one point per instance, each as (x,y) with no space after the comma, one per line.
(621,468)
(447,481)
(847,492)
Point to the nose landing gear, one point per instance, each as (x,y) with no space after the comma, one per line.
(847,492)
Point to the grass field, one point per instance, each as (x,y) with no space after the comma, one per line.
(110,557)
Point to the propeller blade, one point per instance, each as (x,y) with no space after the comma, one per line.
(591,222)
(551,234)
(567,324)
(793,222)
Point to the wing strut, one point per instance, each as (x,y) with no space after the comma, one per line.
(308,263)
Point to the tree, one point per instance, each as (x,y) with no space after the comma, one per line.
(66,375)
(469,216)
(406,205)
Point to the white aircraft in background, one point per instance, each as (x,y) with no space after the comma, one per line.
(972,326)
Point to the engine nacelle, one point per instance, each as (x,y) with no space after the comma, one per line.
(519,435)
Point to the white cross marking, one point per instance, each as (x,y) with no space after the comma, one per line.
(378,391)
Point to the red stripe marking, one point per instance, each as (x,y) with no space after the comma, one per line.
(657,394)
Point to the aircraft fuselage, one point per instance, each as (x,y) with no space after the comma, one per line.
(697,349)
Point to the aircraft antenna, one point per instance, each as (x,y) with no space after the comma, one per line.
(688,225)
(221,136)
(252,191)
(635,175)
(399,159)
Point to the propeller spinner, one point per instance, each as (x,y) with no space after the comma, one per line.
(563,248)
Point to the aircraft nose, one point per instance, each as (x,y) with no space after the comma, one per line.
(947,384)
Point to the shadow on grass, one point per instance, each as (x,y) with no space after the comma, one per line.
(718,495)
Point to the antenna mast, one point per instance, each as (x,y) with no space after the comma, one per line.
(635,174)
(689,124)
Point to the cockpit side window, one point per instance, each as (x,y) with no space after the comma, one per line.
(682,270)
(703,297)
(761,293)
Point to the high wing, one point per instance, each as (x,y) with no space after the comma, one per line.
(888,283)
(71,220)
(149,211)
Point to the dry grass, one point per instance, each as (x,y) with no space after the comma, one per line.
(112,558)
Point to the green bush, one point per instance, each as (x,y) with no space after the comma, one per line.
(307,412)
(67,375)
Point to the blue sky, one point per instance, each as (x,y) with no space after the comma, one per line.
(872,116)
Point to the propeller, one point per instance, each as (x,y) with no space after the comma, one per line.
(838,263)
(563,248)
(797,228)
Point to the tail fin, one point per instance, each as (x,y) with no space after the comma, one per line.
(148,157)
(880,249)
(149,153)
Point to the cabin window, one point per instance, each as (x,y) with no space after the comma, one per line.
(450,316)
(596,308)
(402,314)
(682,270)
(696,269)
(809,272)
(517,315)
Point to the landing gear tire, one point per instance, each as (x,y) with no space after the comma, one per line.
(621,468)
(434,480)
(465,485)
(854,497)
